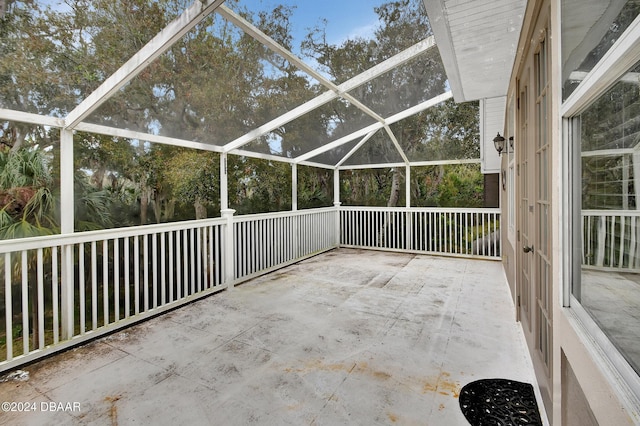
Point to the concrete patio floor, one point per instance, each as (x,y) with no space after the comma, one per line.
(346,337)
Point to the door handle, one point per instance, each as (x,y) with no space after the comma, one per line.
(527,249)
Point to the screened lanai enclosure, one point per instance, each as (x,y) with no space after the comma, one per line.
(155,152)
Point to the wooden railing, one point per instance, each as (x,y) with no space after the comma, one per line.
(267,241)
(611,239)
(69,288)
(61,290)
(453,231)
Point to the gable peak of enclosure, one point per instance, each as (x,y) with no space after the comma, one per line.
(280,80)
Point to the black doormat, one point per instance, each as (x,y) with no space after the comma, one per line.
(499,402)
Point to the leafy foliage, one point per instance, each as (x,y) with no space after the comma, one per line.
(26,200)
(213,85)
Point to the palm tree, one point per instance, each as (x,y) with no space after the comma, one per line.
(27,204)
(27,208)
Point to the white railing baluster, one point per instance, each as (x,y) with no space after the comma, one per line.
(105,282)
(163,269)
(192,261)
(251,246)
(586,238)
(82,288)
(127,282)
(178,268)
(366,228)
(270,247)
(263,245)
(218,259)
(255,251)
(8,314)
(442,245)
(610,237)
(54,294)
(462,230)
(198,258)
(145,271)
(171,280)
(242,241)
(25,304)
(449,239)
(94,285)
(136,275)
(116,279)
(286,237)
(482,235)
(621,249)
(498,236)
(40,292)
(214,261)
(258,249)
(154,267)
(632,242)
(466,245)
(185,263)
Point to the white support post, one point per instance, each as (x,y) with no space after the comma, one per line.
(66,182)
(635,162)
(625,182)
(66,227)
(336,203)
(408,224)
(407,185)
(336,187)
(295,228)
(224,190)
(227,213)
(294,187)
(229,248)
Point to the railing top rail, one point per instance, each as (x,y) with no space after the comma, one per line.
(610,212)
(426,209)
(103,234)
(271,215)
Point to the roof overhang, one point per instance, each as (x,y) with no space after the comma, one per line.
(478,41)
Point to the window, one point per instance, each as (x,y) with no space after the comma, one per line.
(601,112)
(609,283)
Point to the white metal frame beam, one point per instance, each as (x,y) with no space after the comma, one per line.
(29,118)
(139,61)
(375,127)
(340,91)
(356,148)
(267,41)
(411,164)
(147,137)
(175,30)
(396,144)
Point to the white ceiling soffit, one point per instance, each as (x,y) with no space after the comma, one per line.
(477,40)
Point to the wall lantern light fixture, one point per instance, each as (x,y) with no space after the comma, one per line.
(498,142)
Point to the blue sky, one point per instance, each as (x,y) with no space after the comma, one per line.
(346,18)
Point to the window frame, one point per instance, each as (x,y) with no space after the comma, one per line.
(511,170)
(621,57)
